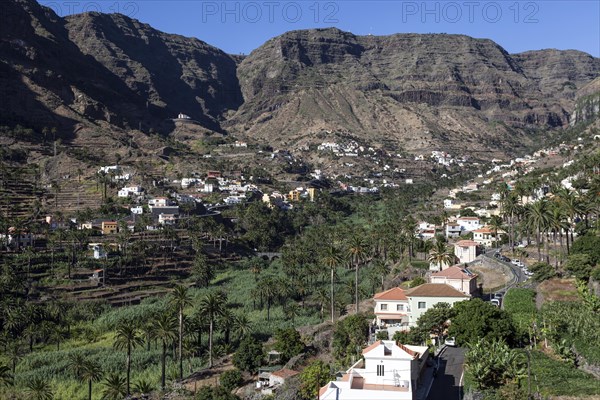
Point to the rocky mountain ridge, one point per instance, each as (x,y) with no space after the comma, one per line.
(112,74)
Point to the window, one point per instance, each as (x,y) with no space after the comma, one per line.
(384,307)
(422,304)
(380,370)
(399,307)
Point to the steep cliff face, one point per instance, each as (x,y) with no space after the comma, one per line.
(173,73)
(108,68)
(419,90)
(110,73)
(587,103)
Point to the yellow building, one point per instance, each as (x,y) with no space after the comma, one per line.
(109,227)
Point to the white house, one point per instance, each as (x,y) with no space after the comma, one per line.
(453,229)
(167,219)
(98,249)
(469,223)
(391,307)
(159,202)
(276,379)
(16,239)
(390,370)
(109,168)
(465,250)
(486,236)
(426,234)
(425,296)
(130,191)
(450,205)
(458,277)
(137,210)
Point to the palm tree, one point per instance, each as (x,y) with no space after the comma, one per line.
(441,255)
(381,268)
(39,388)
(510,207)
(332,259)
(165,328)
(241,326)
(127,338)
(496,225)
(142,387)
(180,298)
(268,289)
(114,387)
(212,305)
(291,311)
(76,363)
(6,376)
(91,372)
(357,248)
(572,208)
(537,218)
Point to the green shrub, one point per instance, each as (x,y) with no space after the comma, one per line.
(231,379)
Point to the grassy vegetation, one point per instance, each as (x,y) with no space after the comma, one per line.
(553,377)
(520,304)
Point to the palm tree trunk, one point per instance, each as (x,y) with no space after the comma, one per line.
(332,306)
(356,286)
(90,389)
(128,366)
(163,360)
(180,344)
(210,340)
(539,247)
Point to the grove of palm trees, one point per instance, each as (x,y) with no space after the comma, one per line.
(175,304)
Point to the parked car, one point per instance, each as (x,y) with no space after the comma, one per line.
(450,341)
(505,259)
(514,261)
(498,295)
(495,302)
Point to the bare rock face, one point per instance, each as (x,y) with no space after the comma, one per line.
(173,73)
(408,91)
(406,87)
(108,67)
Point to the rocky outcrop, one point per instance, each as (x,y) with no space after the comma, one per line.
(405,91)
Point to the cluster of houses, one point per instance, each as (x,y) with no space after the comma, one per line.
(349,149)
(442,158)
(389,369)
(284,201)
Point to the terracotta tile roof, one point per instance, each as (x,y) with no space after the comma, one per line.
(435,290)
(406,349)
(284,373)
(371,347)
(391,294)
(465,243)
(324,389)
(455,272)
(469,218)
(485,229)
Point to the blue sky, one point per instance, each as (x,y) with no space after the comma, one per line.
(241,26)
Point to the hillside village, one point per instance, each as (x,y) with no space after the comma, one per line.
(332,216)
